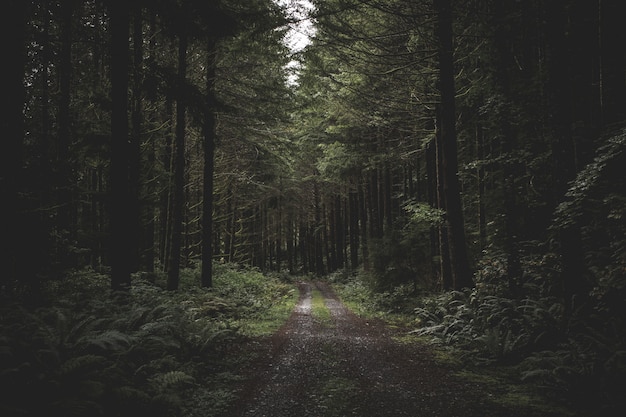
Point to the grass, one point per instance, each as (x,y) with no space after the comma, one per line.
(271,319)
(170,353)
(498,379)
(319,311)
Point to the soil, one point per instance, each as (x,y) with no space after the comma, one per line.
(350,366)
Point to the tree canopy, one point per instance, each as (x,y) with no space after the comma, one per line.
(470,145)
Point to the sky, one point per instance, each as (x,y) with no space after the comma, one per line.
(299,33)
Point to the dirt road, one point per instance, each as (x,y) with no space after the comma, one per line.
(348,366)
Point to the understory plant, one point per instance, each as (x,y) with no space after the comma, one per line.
(148,352)
(579,358)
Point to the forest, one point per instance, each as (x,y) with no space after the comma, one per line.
(170,168)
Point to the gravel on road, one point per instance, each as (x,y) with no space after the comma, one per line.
(350,366)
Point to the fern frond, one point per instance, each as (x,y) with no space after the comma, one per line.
(81,364)
(127,394)
(84,326)
(172,379)
(108,341)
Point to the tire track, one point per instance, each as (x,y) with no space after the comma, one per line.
(353,367)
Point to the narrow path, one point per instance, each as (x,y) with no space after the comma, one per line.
(348,366)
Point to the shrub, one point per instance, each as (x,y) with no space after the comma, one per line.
(89,352)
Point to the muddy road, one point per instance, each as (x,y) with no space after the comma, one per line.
(343,365)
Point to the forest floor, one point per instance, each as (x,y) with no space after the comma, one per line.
(326,361)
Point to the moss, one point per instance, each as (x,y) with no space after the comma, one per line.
(266,324)
(319,311)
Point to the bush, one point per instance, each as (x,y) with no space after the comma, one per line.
(88,352)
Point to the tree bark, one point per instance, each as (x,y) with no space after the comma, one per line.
(458,252)
(165,199)
(504,62)
(317,233)
(340,232)
(433,200)
(354,229)
(136,244)
(121,220)
(363,220)
(613,65)
(173,275)
(13,31)
(480,176)
(445,264)
(64,192)
(206,276)
(290,242)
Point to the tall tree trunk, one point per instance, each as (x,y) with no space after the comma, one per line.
(354,228)
(433,200)
(165,198)
(379,188)
(613,65)
(229,237)
(454,214)
(64,190)
(372,204)
(55,253)
(480,176)
(505,61)
(279,229)
(136,244)
(445,264)
(363,221)
(388,195)
(560,95)
(121,220)
(303,244)
(340,231)
(206,277)
(332,237)
(151,203)
(317,234)
(254,236)
(178,203)
(46,56)
(13,32)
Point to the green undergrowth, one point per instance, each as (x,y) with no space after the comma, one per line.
(88,352)
(262,302)
(491,340)
(394,307)
(319,311)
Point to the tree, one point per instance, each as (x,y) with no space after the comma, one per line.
(121,217)
(64,197)
(461,274)
(13,26)
(209,167)
(178,201)
(134,159)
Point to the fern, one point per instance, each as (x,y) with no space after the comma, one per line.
(83,326)
(588,180)
(110,341)
(81,364)
(172,379)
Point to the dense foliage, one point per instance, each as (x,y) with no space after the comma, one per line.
(151,352)
(473,150)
